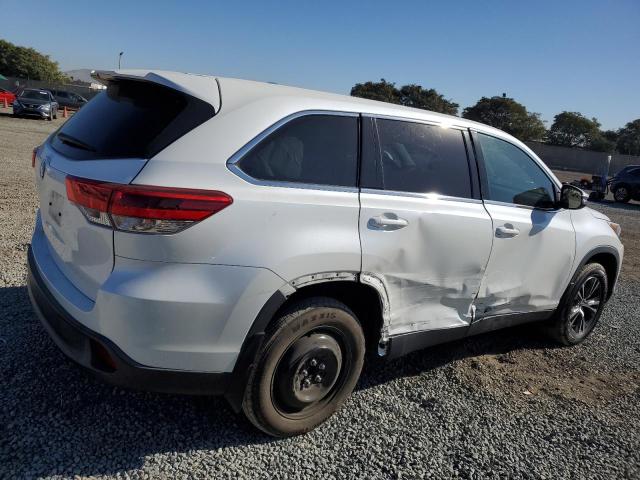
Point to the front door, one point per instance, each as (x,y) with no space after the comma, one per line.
(534,242)
(425,234)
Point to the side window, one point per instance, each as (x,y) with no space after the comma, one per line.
(415,157)
(513,176)
(315,149)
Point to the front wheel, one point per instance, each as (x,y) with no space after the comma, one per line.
(307,368)
(621,194)
(581,305)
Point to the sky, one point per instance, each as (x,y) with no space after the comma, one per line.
(549,55)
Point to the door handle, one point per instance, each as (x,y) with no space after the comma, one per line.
(507,231)
(388,221)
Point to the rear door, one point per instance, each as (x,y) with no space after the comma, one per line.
(424,231)
(108,140)
(534,242)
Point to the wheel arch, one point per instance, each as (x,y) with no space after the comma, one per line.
(362,298)
(609,258)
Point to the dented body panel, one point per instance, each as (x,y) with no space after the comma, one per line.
(529,271)
(428,285)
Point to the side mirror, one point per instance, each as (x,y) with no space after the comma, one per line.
(572,198)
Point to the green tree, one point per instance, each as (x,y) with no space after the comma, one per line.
(382,91)
(26,62)
(409,95)
(508,115)
(629,138)
(572,129)
(427,99)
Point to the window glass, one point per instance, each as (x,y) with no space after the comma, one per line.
(415,157)
(318,149)
(513,176)
(130,119)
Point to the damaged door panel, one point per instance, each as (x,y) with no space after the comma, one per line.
(534,240)
(431,269)
(531,264)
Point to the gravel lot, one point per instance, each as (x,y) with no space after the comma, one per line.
(507,404)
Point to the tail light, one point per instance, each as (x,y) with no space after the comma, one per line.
(143,209)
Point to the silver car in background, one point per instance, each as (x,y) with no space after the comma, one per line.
(210,235)
(35,102)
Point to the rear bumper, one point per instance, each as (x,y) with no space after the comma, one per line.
(103,358)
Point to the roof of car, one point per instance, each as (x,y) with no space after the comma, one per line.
(273,100)
(238,91)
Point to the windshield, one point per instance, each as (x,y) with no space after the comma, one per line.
(32,94)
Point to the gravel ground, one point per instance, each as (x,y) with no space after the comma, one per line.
(507,404)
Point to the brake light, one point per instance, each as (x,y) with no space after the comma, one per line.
(141,208)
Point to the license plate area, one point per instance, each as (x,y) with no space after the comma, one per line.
(56,206)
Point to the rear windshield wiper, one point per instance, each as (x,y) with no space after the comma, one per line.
(74,142)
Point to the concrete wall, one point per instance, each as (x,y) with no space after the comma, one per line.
(580,160)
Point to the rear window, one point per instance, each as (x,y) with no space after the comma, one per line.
(130,119)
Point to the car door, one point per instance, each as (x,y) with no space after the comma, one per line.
(533,240)
(425,235)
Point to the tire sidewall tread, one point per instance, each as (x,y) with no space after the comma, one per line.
(291,324)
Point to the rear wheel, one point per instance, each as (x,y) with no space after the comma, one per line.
(308,366)
(581,306)
(621,194)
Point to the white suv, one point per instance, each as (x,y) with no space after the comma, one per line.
(212,235)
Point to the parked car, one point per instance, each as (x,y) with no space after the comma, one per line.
(625,185)
(35,102)
(212,235)
(69,99)
(6,95)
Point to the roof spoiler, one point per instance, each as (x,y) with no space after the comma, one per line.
(200,86)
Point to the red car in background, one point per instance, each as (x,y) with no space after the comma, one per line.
(6,94)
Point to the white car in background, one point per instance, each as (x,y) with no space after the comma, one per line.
(211,235)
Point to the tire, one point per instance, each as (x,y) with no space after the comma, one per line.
(581,306)
(50,117)
(621,194)
(308,366)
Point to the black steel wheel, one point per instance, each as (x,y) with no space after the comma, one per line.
(307,368)
(581,305)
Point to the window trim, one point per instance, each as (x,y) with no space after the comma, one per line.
(474,184)
(234,167)
(483,173)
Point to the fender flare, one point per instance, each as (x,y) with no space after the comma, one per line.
(588,256)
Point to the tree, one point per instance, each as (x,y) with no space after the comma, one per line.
(382,91)
(427,99)
(26,62)
(409,95)
(508,115)
(629,138)
(572,129)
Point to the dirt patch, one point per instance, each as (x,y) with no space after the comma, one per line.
(529,373)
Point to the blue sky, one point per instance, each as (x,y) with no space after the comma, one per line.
(550,55)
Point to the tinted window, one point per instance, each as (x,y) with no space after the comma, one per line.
(320,149)
(513,176)
(130,119)
(414,157)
